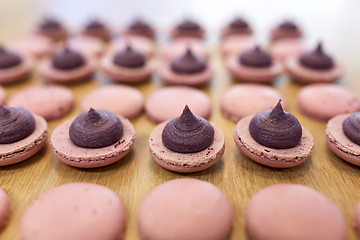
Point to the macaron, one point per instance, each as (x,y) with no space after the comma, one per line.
(49,101)
(273,138)
(314,66)
(185,208)
(4,208)
(287,48)
(120,99)
(254,65)
(177,48)
(236,44)
(246,99)
(75,211)
(141,44)
(286,30)
(342,137)
(35,45)
(52,28)
(188,28)
(168,103)
(67,66)
(293,211)
(185,144)
(94,139)
(140,27)
(3,95)
(237,27)
(22,134)
(88,45)
(96,28)
(324,101)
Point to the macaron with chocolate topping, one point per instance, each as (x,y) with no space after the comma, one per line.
(53,29)
(238,26)
(4,208)
(314,66)
(273,138)
(141,44)
(14,67)
(22,134)
(188,28)
(140,27)
(286,30)
(93,139)
(188,143)
(97,29)
(127,66)
(178,47)
(67,66)
(187,69)
(254,65)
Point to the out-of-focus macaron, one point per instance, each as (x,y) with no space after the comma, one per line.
(140,27)
(188,28)
(237,27)
(179,47)
(35,45)
(286,30)
(52,28)
(96,28)
(235,45)
(87,45)
(287,48)
(139,43)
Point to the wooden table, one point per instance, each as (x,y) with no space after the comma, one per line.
(135,175)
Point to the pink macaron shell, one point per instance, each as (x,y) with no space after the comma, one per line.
(88,45)
(246,99)
(292,211)
(141,44)
(49,101)
(21,150)
(339,143)
(35,45)
(185,208)
(179,34)
(276,158)
(234,45)
(169,102)
(17,73)
(305,75)
(251,74)
(75,211)
(66,151)
(3,95)
(287,48)
(189,162)
(278,34)
(178,48)
(4,208)
(324,101)
(120,99)
(227,32)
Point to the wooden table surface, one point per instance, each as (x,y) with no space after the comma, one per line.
(337,23)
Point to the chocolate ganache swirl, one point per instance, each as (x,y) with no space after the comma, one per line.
(276,128)
(288,26)
(189,25)
(139,25)
(188,133)
(8,58)
(317,59)
(95,25)
(239,24)
(50,24)
(96,129)
(130,58)
(67,59)
(15,124)
(256,57)
(351,127)
(188,63)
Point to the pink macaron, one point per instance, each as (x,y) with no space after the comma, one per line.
(178,47)
(141,44)
(292,211)
(287,48)
(35,45)
(4,208)
(75,211)
(88,45)
(234,45)
(185,209)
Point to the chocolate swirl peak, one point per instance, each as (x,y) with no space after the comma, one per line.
(189,25)
(276,128)
(188,133)
(188,63)
(351,127)
(317,59)
(288,26)
(67,59)
(96,129)
(8,58)
(15,124)
(239,24)
(256,57)
(130,58)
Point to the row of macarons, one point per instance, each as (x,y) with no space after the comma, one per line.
(183,208)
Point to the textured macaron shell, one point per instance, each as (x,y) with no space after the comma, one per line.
(16,73)
(242,100)
(188,162)
(75,211)
(19,151)
(185,209)
(277,158)
(66,151)
(324,101)
(3,95)
(120,99)
(292,211)
(49,101)
(4,208)
(234,45)
(169,102)
(339,143)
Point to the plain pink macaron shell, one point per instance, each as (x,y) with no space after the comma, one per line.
(2,95)
(169,102)
(324,101)
(242,100)
(185,208)
(4,208)
(49,101)
(120,99)
(75,211)
(296,212)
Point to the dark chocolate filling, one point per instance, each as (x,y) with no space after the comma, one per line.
(67,59)
(276,128)
(239,24)
(256,57)
(188,133)
(8,58)
(140,25)
(189,25)
(50,24)
(96,129)
(95,25)
(188,64)
(351,127)
(15,124)
(130,58)
(288,26)
(317,59)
